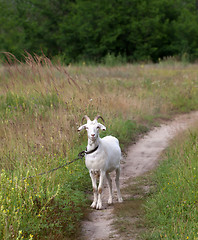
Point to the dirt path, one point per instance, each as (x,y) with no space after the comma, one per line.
(141,158)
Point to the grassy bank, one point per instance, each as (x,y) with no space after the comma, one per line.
(41,106)
(172,211)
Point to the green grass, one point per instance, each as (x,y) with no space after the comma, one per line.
(12,104)
(42,205)
(172,211)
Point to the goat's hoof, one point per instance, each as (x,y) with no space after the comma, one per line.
(120,200)
(93,205)
(99,206)
(110,201)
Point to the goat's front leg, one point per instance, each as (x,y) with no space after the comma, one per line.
(100,186)
(94,185)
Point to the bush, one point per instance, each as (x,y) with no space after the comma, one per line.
(112,60)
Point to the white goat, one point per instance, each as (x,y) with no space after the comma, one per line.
(102,157)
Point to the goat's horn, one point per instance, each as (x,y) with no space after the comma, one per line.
(85,117)
(97,117)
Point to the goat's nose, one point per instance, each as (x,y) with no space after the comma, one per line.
(93,135)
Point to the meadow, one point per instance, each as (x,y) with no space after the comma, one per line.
(41,106)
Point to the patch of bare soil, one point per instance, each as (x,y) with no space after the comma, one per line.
(141,158)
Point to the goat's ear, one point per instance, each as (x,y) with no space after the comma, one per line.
(102,127)
(81,127)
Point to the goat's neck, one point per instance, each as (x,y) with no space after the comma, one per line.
(93,144)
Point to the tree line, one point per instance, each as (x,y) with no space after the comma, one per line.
(89,30)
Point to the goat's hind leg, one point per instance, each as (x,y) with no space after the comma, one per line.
(109,181)
(94,185)
(117,180)
(100,188)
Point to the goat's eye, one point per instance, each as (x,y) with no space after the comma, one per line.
(98,127)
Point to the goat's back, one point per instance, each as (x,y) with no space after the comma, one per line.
(110,141)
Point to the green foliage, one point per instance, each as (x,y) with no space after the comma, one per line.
(101,31)
(172,210)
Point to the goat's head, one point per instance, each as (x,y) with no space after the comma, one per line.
(92,127)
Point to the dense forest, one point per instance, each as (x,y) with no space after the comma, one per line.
(89,30)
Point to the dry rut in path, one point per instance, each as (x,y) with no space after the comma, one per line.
(141,158)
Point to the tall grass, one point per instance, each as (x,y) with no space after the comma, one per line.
(41,105)
(172,211)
